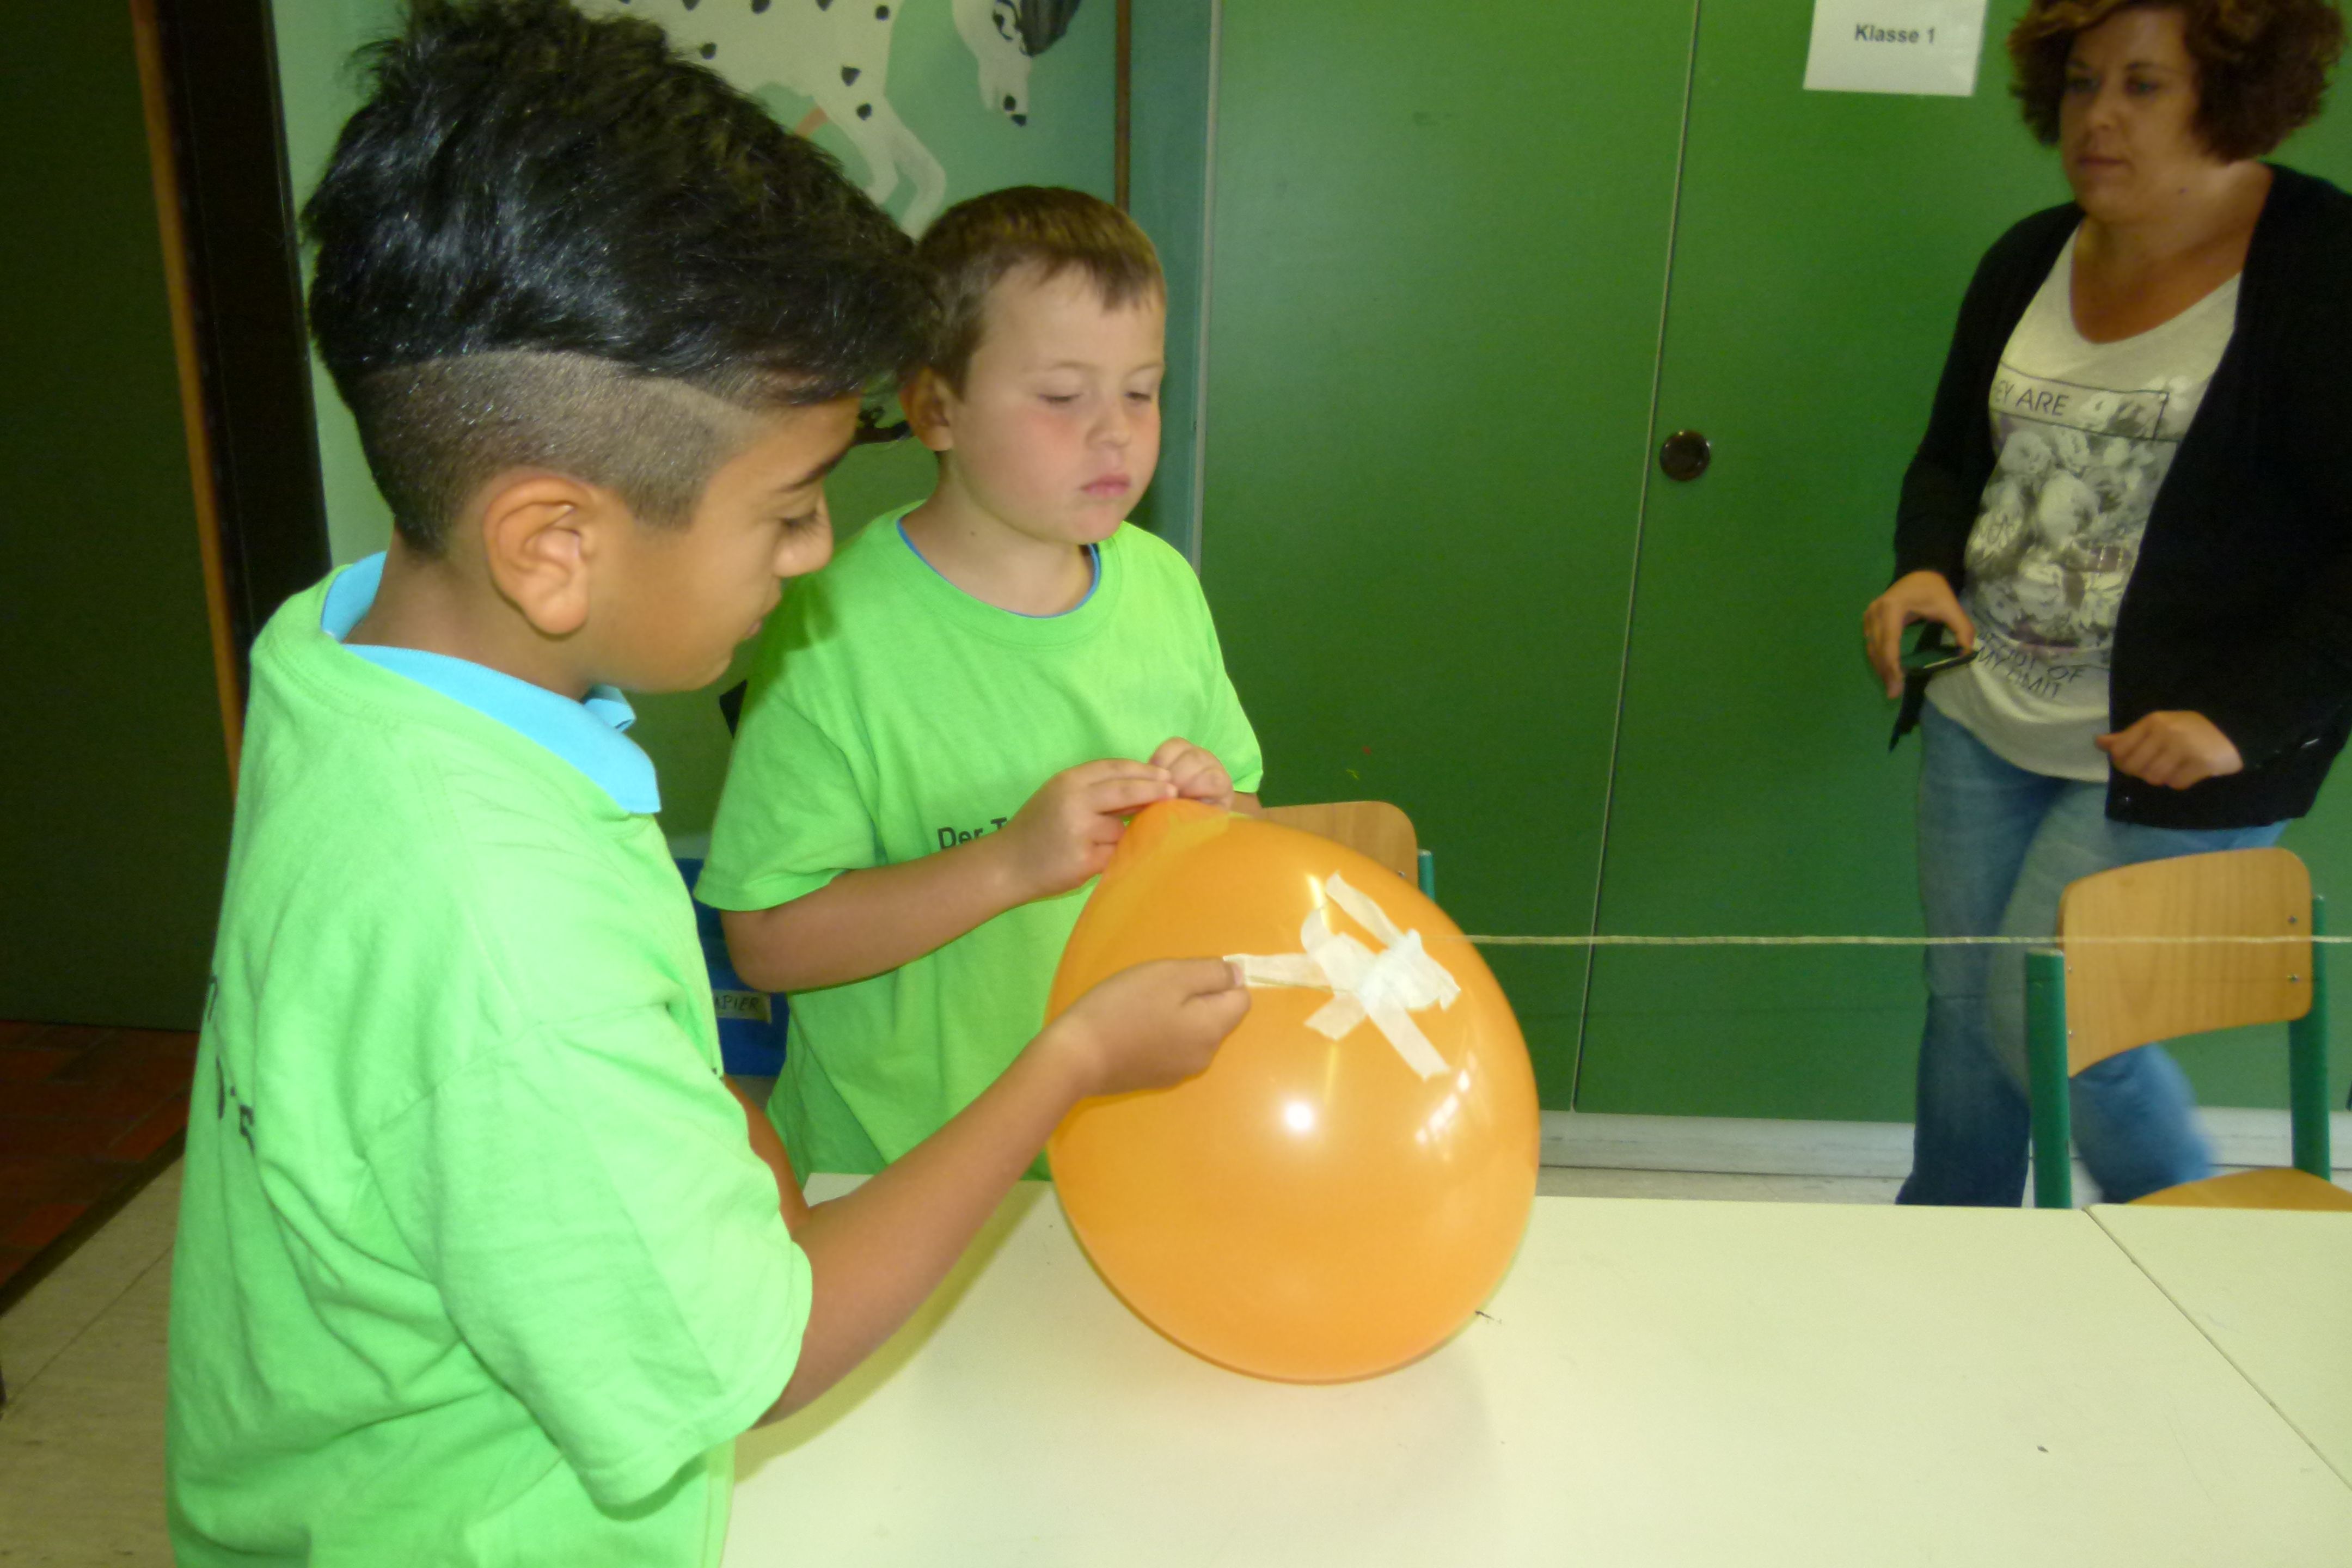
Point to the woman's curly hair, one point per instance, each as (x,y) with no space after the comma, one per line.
(2261,65)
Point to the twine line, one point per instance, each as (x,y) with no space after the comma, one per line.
(1890,941)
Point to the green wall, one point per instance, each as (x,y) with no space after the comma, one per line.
(318,89)
(1432,336)
(115,775)
(1466,278)
(1173,69)
(1824,244)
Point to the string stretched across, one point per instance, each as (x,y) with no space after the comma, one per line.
(1875,941)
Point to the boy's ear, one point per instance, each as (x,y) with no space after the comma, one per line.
(928,405)
(540,533)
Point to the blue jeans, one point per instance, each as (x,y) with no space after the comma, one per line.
(1997,847)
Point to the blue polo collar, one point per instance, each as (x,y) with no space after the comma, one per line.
(586,734)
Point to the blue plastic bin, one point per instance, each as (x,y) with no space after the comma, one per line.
(751,1023)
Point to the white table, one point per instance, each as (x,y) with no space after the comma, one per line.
(2272,1289)
(1657,1384)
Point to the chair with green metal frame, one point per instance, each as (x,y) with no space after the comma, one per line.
(2096,996)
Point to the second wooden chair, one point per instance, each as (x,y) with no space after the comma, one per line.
(2097,996)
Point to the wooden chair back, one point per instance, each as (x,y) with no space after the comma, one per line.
(2121,995)
(1372,828)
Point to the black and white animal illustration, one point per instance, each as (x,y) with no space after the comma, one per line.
(1004,36)
(836,53)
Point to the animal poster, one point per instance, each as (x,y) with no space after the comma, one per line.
(925,101)
(1895,45)
(961,97)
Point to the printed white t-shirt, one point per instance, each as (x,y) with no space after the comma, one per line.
(2084,434)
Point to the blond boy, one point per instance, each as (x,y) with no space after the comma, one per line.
(947,727)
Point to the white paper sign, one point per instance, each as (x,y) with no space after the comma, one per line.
(1895,45)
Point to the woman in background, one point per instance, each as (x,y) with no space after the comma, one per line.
(2134,505)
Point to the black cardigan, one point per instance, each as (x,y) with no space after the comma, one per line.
(2241,606)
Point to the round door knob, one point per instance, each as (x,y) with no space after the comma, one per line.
(1685,455)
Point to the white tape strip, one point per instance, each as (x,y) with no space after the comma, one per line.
(1387,987)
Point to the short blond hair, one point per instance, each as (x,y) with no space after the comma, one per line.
(974,245)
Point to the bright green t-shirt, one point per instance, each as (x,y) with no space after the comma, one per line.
(475,1263)
(892,715)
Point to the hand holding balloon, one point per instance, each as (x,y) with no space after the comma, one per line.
(1197,774)
(1064,835)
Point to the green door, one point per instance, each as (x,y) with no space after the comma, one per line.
(1440,251)
(1823,243)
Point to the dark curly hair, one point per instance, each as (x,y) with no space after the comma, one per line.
(2261,65)
(548,239)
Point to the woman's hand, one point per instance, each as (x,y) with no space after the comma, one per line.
(2174,750)
(1916,596)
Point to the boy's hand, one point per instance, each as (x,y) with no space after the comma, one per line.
(1150,1027)
(878,1251)
(1197,774)
(1066,832)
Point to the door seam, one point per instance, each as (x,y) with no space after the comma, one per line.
(1634,577)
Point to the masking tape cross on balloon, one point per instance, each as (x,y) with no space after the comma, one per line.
(1387,988)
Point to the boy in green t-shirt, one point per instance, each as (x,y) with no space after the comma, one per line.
(946,727)
(480,1261)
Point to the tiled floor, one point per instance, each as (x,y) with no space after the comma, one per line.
(86,1117)
(82,1438)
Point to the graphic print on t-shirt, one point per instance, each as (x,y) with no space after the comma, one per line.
(2060,528)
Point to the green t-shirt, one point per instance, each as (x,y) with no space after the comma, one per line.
(475,1263)
(892,715)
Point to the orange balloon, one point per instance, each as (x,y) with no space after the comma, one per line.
(1310,1208)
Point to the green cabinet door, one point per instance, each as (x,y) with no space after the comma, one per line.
(1824,244)
(1440,249)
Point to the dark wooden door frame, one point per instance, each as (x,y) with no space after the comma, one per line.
(227,201)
